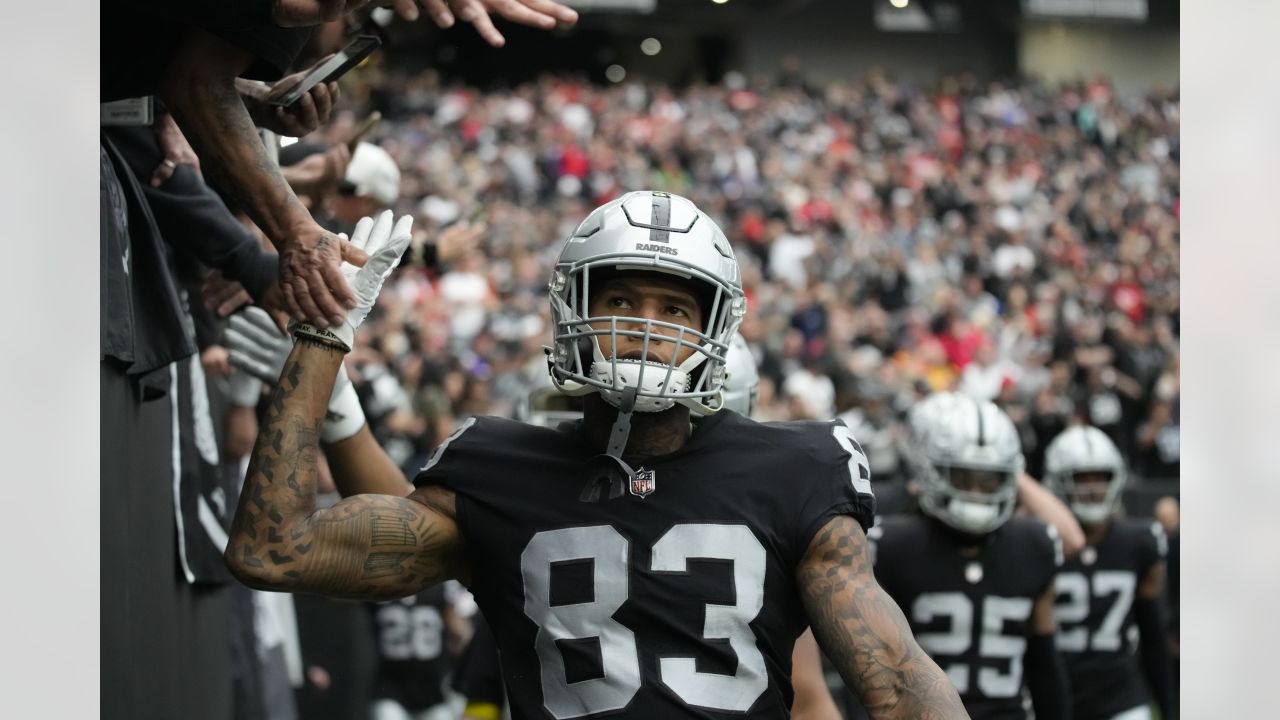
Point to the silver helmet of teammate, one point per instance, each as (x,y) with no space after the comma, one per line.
(742,382)
(967,456)
(1079,450)
(652,232)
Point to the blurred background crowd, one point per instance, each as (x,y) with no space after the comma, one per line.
(1014,240)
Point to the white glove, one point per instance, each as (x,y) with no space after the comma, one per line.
(258,349)
(385,245)
(245,388)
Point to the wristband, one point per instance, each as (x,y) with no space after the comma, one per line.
(344,416)
(340,337)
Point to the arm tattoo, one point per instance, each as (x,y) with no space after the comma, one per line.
(367,546)
(214,118)
(865,634)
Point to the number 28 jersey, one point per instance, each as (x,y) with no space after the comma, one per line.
(675,600)
(412,662)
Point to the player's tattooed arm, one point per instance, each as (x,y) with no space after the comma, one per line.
(366,547)
(865,634)
(361,466)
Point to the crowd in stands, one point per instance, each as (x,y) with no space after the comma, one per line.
(1016,241)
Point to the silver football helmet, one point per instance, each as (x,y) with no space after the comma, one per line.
(656,232)
(967,457)
(742,381)
(1085,449)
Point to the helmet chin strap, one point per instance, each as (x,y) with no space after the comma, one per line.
(609,472)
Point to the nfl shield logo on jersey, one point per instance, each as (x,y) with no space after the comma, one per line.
(643,482)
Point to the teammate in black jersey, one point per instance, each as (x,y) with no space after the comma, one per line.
(1109,595)
(415,637)
(659,559)
(975,582)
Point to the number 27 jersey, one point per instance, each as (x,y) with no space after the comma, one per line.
(676,599)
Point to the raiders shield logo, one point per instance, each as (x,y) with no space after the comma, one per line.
(643,482)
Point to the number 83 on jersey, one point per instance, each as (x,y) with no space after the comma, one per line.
(609,552)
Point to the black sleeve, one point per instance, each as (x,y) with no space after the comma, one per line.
(1155,653)
(1047,679)
(445,462)
(843,485)
(192,218)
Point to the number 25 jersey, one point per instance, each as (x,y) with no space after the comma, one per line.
(675,600)
(972,615)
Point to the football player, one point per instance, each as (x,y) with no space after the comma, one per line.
(1110,594)
(975,582)
(410,630)
(641,563)
(415,637)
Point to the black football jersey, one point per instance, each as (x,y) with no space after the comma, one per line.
(413,660)
(675,600)
(1097,628)
(971,615)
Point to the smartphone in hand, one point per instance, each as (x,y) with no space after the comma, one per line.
(329,70)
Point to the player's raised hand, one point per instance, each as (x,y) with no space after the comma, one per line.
(384,244)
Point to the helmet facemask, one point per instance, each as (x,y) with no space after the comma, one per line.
(974,499)
(580,365)
(1091,494)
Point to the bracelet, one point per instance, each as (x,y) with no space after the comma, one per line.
(305,332)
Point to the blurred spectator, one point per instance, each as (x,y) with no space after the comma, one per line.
(370,185)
